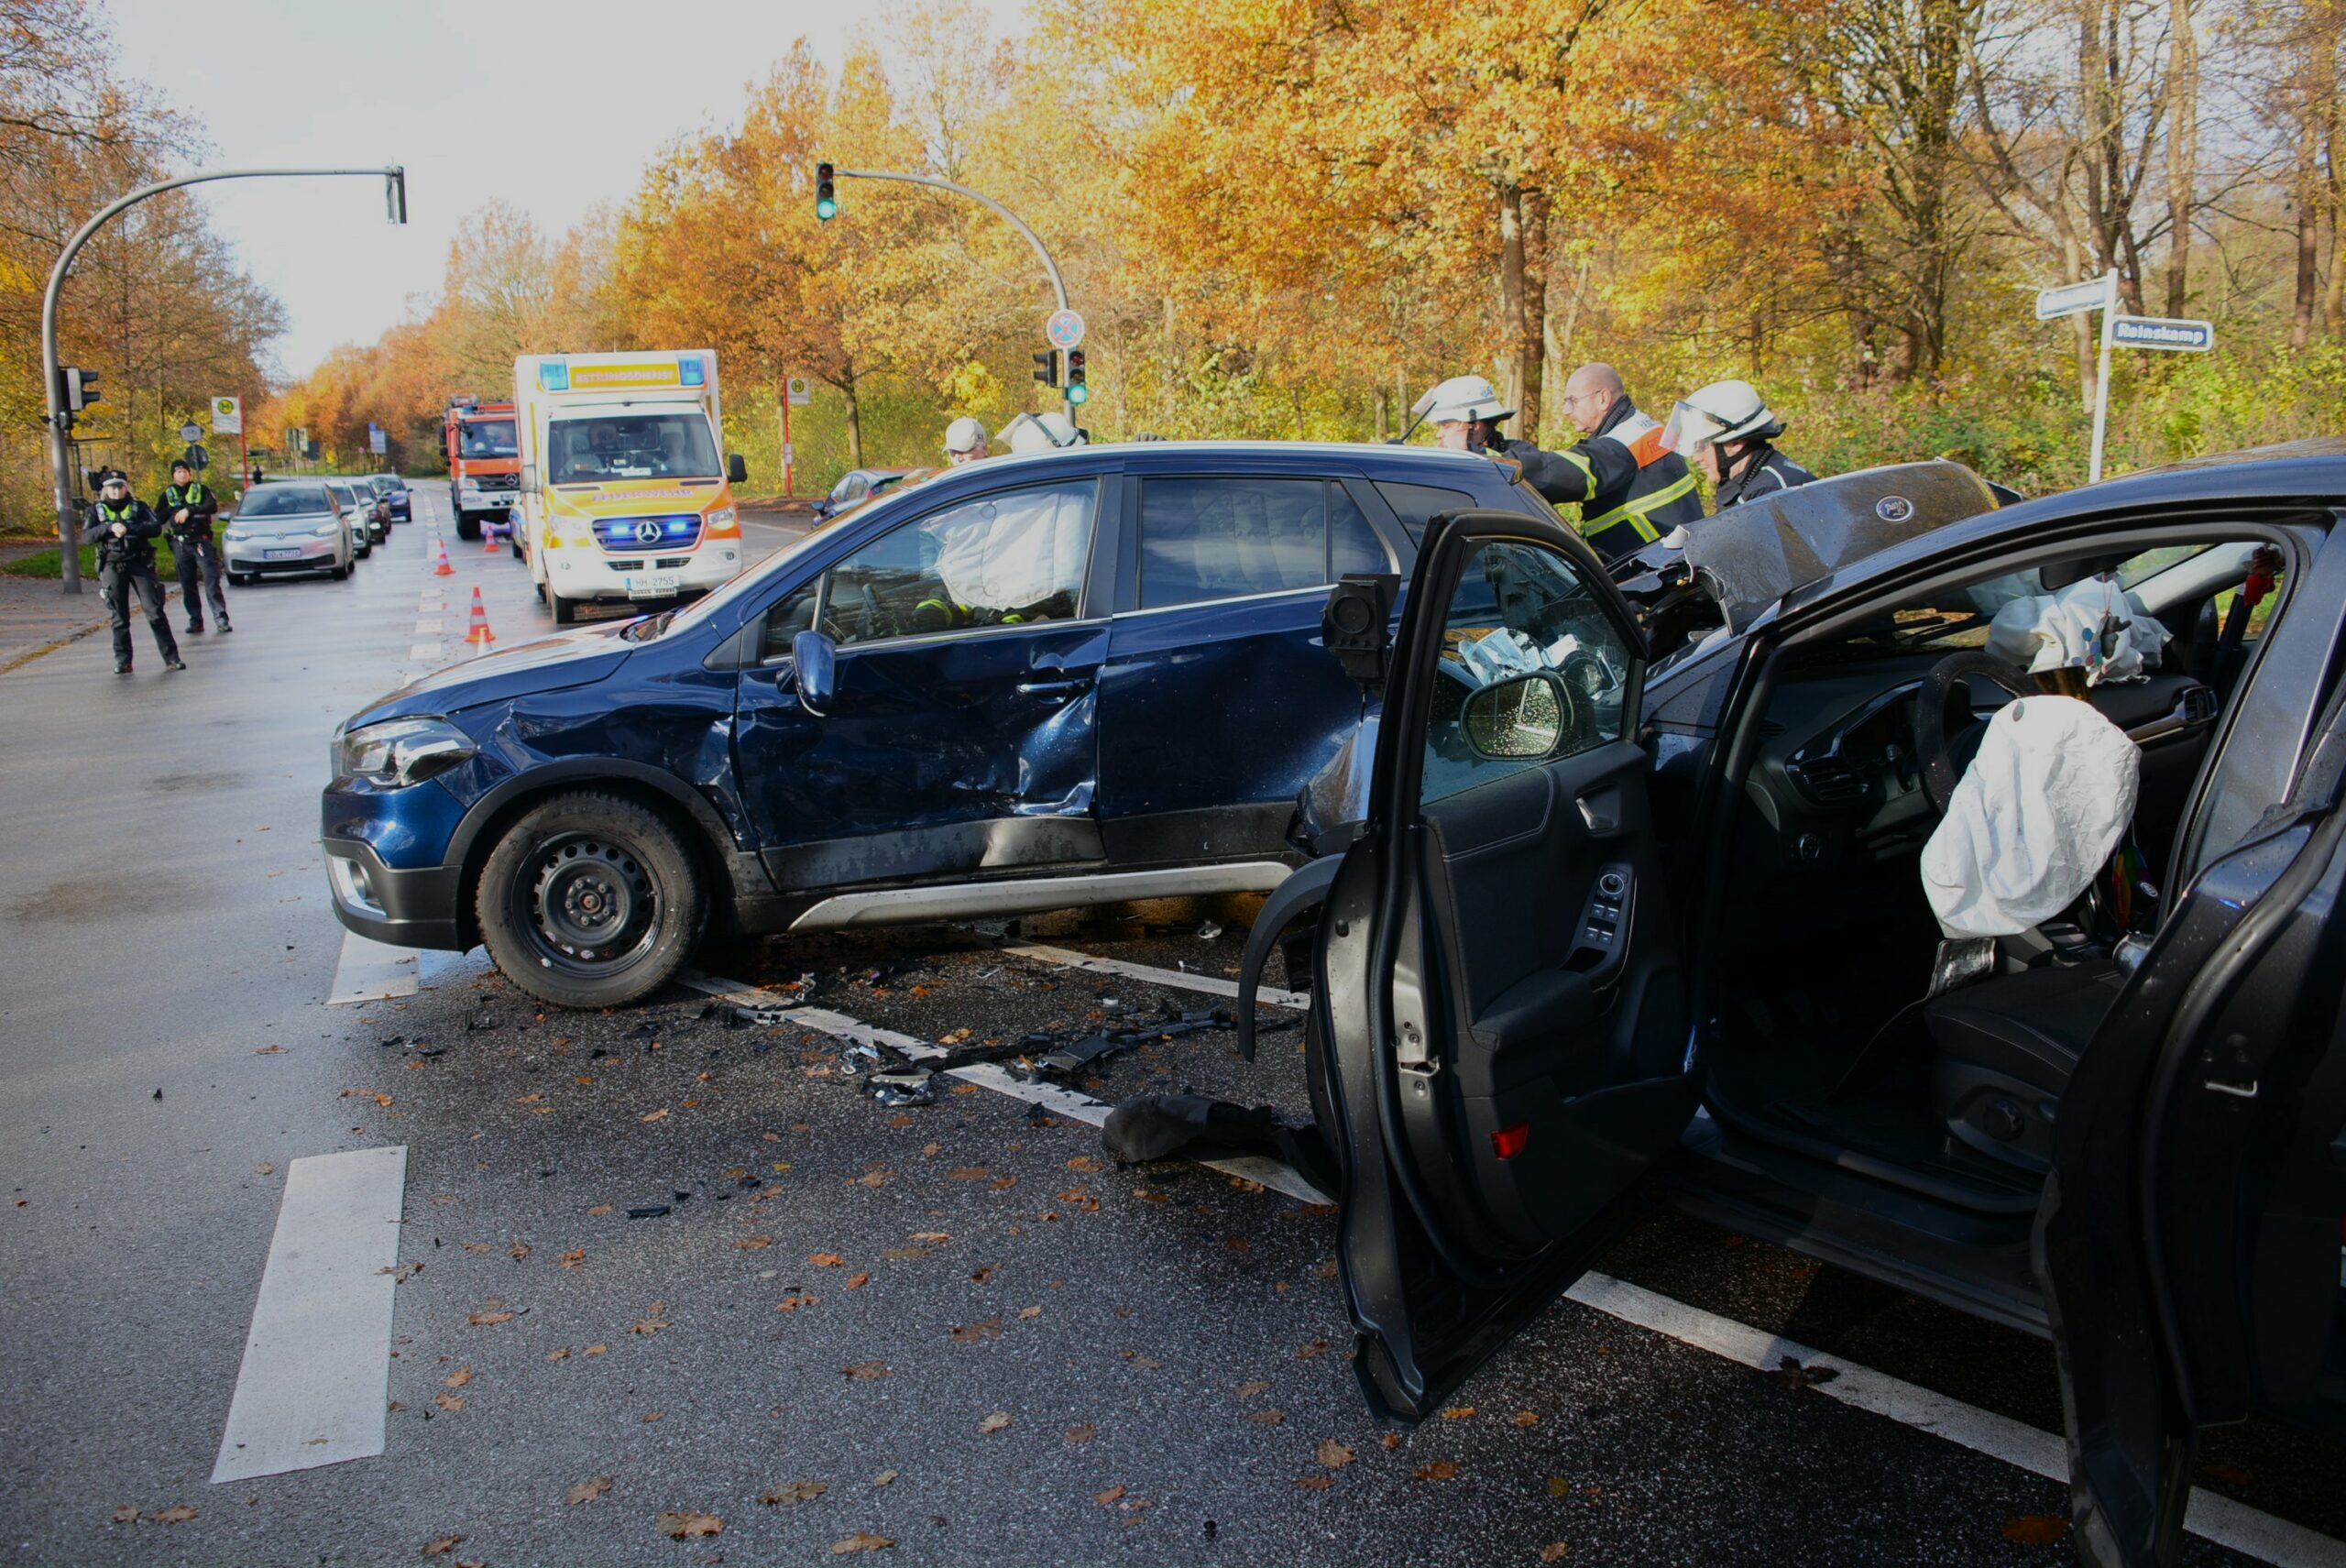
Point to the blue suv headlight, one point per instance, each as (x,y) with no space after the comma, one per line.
(400,752)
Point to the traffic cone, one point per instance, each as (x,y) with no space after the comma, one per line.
(488,538)
(478,632)
(441,567)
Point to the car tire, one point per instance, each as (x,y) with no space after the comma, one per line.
(469,525)
(237,579)
(541,590)
(565,611)
(577,866)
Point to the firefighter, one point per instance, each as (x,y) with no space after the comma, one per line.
(123,529)
(187,507)
(1732,433)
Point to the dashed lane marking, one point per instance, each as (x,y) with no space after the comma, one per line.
(1070,1104)
(429,623)
(369,971)
(1214,985)
(429,652)
(315,1385)
(2220,1520)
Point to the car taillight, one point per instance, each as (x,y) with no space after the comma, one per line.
(1509,1142)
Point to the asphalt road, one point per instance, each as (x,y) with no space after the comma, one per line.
(641,1251)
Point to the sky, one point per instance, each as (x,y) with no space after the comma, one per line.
(553,104)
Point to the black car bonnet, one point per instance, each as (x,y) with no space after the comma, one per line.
(1751,556)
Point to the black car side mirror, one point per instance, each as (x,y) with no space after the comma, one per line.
(814,660)
(736,471)
(1517,719)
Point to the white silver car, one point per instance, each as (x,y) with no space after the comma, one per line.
(290,525)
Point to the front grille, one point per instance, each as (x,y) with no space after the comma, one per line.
(674,530)
(665,563)
(496,481)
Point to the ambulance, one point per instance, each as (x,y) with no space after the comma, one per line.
(626,494)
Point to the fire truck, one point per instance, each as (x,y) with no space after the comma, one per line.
(484,463)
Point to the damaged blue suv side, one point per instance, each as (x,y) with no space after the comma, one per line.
(1029,684)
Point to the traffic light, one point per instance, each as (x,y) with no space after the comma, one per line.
(826,200)
(1047,367)
(1077,392)
(77,390)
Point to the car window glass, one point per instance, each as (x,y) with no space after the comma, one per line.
(286,502)
(1011,558)
(1225,538)
(1353,544)
(1416,505)
(1522,612)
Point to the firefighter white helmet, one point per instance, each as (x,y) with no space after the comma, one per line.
(1460,398)
(1030,433)
(1723,411)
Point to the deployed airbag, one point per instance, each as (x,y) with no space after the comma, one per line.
(2093,623)
(2040,811)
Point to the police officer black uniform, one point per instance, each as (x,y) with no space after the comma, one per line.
(187,507)
(123,529)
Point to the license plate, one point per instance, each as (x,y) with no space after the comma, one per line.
(281,554)
(652,584)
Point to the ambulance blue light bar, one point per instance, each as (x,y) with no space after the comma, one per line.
(554,375)
(691,370)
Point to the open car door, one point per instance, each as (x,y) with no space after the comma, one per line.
(1503,1024)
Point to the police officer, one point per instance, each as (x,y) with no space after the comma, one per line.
(965,442)
(124,531)
(187,507)
(1732,433)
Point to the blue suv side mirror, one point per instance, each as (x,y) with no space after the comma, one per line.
(815,659)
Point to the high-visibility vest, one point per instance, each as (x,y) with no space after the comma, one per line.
(1661,497)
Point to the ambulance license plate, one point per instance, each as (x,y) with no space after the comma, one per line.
(653,584)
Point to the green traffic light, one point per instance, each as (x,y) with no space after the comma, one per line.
(1078,393)
(825,209)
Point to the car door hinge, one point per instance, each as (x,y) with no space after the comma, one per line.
(1410,1051)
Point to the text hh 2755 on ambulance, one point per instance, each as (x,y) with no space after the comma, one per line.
(623,498)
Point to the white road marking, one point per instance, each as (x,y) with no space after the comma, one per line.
(316,1374)
(1216,985)
(427,652)
(1073,1104)
(430,623)
(371,971)
(2220,1520)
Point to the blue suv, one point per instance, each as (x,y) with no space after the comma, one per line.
(1028,683)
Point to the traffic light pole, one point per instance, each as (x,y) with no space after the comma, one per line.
(61,449)
(1050,268)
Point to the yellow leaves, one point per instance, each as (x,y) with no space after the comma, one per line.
(575,1258)
(656,1115)
(458,1379)
(684,1525)
(448,1402)
(825,1260)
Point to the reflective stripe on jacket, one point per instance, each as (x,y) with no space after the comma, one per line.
(1630,492)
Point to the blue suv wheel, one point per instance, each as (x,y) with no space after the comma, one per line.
(590,901)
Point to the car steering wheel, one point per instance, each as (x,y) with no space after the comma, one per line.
(1932,747)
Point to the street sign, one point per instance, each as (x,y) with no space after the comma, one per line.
(191,430)
(227,416)
(800,393)
(376,441)
(1065,329)
(2093,294)
(2162,332)
(789,453)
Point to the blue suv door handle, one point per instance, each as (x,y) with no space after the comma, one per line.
(1055,688)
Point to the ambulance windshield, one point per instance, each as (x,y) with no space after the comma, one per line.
(631,446)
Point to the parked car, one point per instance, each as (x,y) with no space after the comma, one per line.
(860,485)
(1600,917)
(287,525)
(393,492)
(1030,684)
(369,519)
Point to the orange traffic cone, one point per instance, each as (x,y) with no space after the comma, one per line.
(488,538)
(478,630)
(441,567)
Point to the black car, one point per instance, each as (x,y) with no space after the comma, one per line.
(1618,915)
(399,505)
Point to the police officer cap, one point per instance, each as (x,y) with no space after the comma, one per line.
(179,463)
(112,477)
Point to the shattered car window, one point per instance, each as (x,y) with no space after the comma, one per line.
(1521,611)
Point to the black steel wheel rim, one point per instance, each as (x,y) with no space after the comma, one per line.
(589,904)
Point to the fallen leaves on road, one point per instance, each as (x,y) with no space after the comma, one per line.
(2035,1529)
(517,1251)
(178,1513)
(825,1260)
(480,1246)
(561,1355)
(1526,1418)
(866,1371)
(1316,1348)
(586,1491)
(654,1318)
(1111,1497)
(652,1416)
(1458,1412)
(861,1540)
(1248,1390)
(269,1051)
(598,1348)
(1083,1162)
(458,1379)
(682,1524)
(752,1244)
(1029,1312)
(126,1514)
(966,1173)
(1268,1418)
(795,1300)
(885,1477)
(599,1211)
(1794,1375)
(448,1402)
(972,1334)
(1333,1454)
(404,1273)
(995,1422)
(264,1168)
(655,1116)
(1553,1551)
(793,1492)
(1083,1433)
(857,1280)
(441,1545)
(1315,1483)
(1438,1470)
(576,1258)
(1389,1441)
(483,1319)
(980,1276)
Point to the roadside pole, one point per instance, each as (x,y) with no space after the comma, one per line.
(2102,382)
(1050,268)
(2173,335)
(59,420)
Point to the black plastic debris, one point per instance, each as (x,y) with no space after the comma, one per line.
(484,1019)
(394,1043)
(649,1212)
